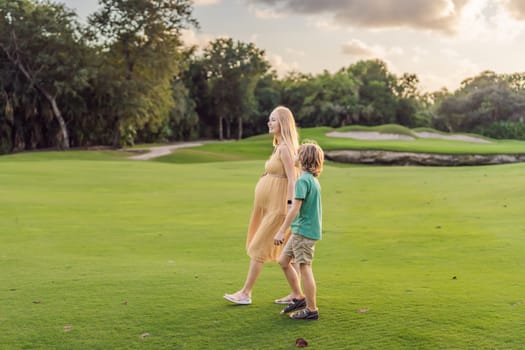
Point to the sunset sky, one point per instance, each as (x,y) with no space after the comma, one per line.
(442,41)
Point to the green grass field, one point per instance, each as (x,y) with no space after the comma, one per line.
(114,249)
(258,147)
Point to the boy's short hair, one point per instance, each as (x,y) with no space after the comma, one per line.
(311,157)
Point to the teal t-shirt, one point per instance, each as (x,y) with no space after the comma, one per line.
(308,222)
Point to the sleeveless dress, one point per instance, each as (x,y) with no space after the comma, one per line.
(269,211)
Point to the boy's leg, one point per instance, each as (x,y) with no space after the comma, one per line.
(291,276)
(309,286)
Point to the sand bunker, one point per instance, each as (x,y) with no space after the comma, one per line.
(431,135)
(373,135)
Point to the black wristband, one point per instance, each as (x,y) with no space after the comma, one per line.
(289,201)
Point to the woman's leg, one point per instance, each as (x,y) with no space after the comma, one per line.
(254,271)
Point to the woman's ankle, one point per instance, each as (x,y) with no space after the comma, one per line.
(244,294)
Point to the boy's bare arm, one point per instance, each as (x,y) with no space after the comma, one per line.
(292,213)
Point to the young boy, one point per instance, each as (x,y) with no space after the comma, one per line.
(306,214)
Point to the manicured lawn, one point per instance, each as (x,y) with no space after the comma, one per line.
(432,257)
(258,147)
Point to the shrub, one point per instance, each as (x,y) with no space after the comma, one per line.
(503,130)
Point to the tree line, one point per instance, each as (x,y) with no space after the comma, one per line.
(125,77)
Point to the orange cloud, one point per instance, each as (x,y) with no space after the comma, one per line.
(516,8)
(433,15)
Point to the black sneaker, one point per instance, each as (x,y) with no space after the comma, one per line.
(305,314)
(296,305)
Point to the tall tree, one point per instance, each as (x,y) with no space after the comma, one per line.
(196,80)
(296,87)
(377,87)
(332,100)
(233,70)
(482,101)
(409,100)
(268,95)
(40,40)
(141,46)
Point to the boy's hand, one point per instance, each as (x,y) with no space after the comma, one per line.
(279,238)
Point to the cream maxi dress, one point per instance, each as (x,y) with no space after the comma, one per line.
(269,211)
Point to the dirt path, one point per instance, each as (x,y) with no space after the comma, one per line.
(159,151)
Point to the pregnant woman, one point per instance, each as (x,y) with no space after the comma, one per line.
(273,198)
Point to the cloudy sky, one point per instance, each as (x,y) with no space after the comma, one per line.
(442,41)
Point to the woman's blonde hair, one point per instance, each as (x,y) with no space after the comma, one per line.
(288,130)
(311,157)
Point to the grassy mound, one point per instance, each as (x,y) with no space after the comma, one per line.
(383,129)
